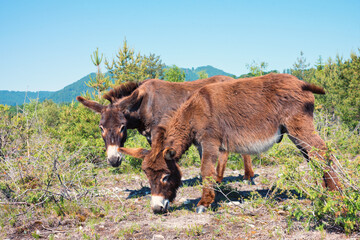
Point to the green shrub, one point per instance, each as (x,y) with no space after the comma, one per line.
(37,170)
(337,208)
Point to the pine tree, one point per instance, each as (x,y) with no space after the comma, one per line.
(341,81)
(300,67)
(350,94)
(128,66)
(101,82)
(319,64)
(153,66)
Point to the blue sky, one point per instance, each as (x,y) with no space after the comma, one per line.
(46,45)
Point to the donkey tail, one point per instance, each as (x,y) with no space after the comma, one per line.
(313,88)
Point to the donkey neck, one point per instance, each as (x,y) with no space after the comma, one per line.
(133,121)
(179,136)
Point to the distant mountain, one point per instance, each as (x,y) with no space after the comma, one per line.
(13,98)
(192,74)
(69,93)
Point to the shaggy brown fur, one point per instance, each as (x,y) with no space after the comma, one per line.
(143,106)
(121,91)
(246,116)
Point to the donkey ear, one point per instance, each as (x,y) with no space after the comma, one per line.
(132,102)
(135,152)
(97,107)
(169,154)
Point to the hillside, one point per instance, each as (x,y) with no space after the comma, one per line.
(69,93)
(192,74)
(13,98)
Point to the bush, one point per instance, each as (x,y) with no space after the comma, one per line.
(36,169)
(328,209)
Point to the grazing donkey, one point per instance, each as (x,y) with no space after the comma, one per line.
(246,116)
(142,106)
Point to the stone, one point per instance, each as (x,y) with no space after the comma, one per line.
(158,237)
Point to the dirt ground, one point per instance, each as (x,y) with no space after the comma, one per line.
(237,214)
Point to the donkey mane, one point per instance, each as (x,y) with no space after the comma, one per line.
(159,137)
(121,91)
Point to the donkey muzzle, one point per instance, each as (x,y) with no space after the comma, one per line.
(159,204)
(115,161)
(114,157)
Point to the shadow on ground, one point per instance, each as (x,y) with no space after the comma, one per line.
(192,182)
(223,193)
(229,194)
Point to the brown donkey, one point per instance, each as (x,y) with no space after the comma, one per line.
(142,106)
(246,116)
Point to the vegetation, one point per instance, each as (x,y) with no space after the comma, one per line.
(300,67)
(341,79)
(52,167)
(174,74)
(203,74)
(128,66)
(257,69)
(100,83)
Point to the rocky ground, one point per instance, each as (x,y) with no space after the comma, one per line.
(242,211)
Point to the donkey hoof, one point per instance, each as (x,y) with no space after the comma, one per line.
(252,182)
(200,209)
(249,182)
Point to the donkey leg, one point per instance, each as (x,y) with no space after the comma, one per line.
(221,165)
(223,158)
(208,174)
(249,172)
(302,133)
(220,168)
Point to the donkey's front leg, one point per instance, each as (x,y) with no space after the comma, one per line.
(221,165)
(208,162)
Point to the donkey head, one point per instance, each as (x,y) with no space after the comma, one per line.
(164,178)
(161,169)
(113,129)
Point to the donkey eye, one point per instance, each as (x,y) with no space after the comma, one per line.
(101,128)
(122,128)
(165,178)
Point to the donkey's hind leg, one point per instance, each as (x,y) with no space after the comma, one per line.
(302,133)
